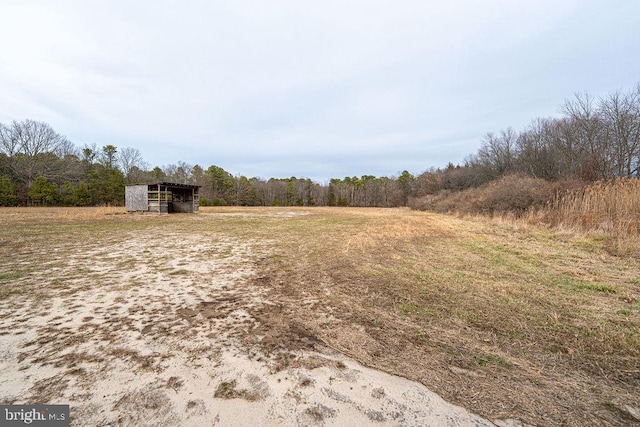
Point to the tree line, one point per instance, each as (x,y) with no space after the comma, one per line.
(593,139)
(40,167)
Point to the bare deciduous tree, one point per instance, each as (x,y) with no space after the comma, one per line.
(183,172)
(536,153)
(621,116)
(8,143)
(588,126)
(36,141)
(131,163)
(8,150)
(497,152)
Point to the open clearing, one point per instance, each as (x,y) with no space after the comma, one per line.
(270,315)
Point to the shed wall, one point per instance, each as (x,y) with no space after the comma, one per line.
(136,198)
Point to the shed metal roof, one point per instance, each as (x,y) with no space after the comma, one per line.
(172,185)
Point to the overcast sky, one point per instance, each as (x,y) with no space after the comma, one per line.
(316,89)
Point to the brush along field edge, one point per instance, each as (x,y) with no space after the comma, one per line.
(240,308)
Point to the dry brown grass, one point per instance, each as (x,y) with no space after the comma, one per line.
(608,211)
(607,208)
(504,318)
(29,215)
(510,321)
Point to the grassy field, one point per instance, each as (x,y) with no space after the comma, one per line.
(505,319)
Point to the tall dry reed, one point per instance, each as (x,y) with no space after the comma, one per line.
(611,207)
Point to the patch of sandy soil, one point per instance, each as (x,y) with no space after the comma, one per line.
(132,336)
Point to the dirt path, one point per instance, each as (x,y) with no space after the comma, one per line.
(130,337)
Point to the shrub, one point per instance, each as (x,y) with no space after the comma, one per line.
(515,194)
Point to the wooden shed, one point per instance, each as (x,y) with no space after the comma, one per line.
(162,197)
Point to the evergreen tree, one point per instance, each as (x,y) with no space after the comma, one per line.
(43,192)
(7,192)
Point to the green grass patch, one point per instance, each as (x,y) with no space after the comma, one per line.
(14,275)
(501,257)
(419,337)
(579,285)
(412,309)
(6,293)
(490,359)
